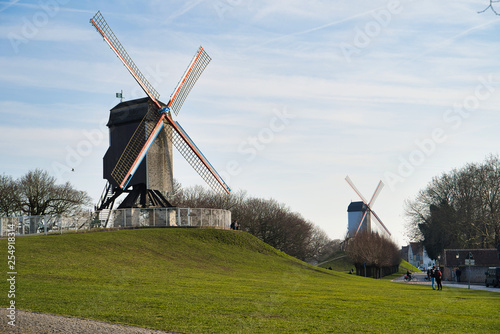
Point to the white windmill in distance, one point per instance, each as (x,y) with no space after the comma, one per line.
(362,209)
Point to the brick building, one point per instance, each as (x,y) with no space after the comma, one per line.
(481,259)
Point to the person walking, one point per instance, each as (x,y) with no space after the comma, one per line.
(433,276)
(458,273)
(439,275)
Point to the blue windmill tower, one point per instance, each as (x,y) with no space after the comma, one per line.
(359,213)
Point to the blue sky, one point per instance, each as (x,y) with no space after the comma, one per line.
(298,95)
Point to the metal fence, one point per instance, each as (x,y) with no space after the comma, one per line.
(41,224)
(120,218)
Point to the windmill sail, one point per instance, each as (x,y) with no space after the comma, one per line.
(191,75)
(368,205)
(187,148)
(348,179)
(145,134)
(103,28)
(380,221)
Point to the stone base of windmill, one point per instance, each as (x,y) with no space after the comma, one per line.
(137,217)
(170,217)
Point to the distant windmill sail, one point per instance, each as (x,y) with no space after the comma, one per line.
(153,123)
(368,204)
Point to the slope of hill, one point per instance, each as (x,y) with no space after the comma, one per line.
(212,281)
(339,261)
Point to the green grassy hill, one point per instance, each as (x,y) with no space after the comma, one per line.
(212,281)
(339,261)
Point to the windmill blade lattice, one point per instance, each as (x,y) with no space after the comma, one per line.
(187,148)
(348,179)
(380,222)
(376,193)
(191,75)
(103,28)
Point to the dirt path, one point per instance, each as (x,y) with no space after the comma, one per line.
(42,323)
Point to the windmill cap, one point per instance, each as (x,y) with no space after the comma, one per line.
(357,207)
(131,111)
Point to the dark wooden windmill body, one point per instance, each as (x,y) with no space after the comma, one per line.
(154,176)
(142,134)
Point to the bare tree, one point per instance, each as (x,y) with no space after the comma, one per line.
(270,221)
(201,197)
(492,7)
(321,246)
(9,196)
(373,249)
(39,195)
(458,209)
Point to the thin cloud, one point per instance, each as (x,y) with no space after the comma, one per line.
(314,29)
(188,6)
(8,5)
(449,41)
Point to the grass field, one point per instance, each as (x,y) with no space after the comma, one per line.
(218,281)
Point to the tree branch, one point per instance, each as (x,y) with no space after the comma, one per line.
(491,7)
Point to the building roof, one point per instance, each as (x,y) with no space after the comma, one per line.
(404,252)
(416,247)
(482,257)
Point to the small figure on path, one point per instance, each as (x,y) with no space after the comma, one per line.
(438,279)
(408,275)
(458,273)
(433,276)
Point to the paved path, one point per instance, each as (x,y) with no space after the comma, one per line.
(420,279)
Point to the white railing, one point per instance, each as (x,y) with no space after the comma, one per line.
(40,224)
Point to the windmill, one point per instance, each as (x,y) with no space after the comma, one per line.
(142,131)
(362,209)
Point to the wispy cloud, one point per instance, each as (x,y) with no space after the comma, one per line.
(189,5)
(6,5)
(359,117)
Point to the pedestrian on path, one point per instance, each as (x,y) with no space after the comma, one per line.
(439,275)
(433,276)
